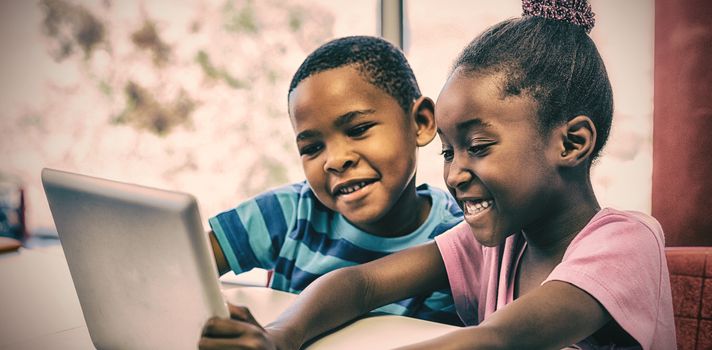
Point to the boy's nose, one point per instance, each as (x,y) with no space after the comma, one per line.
(339,161)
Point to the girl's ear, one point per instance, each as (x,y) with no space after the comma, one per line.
(423,113)
(578,140)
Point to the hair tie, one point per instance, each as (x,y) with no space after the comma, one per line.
(576,12)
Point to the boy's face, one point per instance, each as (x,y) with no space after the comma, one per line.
(498,165)
(358,148)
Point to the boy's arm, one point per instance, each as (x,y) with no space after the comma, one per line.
(553,316)
(339,297)
(220,260)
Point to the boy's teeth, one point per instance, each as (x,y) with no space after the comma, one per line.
(474,207)
(352,188)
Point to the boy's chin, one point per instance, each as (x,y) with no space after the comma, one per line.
(362,219)
(367,219)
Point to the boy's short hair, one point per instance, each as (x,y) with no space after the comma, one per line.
(377,61)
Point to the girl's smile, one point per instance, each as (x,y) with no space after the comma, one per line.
(476,207)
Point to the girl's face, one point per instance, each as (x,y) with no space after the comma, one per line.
(498,165)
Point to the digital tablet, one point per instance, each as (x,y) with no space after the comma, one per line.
(139,258)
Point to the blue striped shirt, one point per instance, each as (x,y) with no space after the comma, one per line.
(289,231)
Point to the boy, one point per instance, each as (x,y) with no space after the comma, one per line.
(359,119)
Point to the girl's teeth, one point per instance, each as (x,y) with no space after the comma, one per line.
(472,207)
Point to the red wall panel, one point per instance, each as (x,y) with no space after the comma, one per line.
(682,129)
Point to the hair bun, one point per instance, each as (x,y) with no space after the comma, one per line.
(577,12)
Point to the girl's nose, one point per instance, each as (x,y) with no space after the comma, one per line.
(457,175)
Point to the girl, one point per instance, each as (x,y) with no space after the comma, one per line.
(537,263)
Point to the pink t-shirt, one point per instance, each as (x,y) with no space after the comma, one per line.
(618,258)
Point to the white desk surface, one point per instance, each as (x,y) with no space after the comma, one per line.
(39,309)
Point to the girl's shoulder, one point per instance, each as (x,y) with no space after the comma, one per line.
(625,224)
(621,235)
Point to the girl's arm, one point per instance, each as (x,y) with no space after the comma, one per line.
(554,315)
(335,299)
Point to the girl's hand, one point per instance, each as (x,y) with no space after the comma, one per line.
(241,331)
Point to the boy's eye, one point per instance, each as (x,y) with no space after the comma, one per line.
(310,149)
(359,130)
(447,154)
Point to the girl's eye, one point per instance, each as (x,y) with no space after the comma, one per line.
(359,130)
(310,149)
(479,149)
(447,155)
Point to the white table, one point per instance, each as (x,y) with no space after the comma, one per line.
(39,309)
(38,304)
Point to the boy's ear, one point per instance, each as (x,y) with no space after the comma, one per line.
(578,138)
(423,113)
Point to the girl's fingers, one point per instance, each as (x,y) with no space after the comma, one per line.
(223,328)
(222,343)
(242,313)
(233,334)
(215,344)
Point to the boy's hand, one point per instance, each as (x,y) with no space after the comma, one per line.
(242,331)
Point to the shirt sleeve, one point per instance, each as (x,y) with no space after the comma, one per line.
(252,234)
(619,260)
(462,256)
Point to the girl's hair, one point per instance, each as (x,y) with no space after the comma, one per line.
(554,62)
(377,61)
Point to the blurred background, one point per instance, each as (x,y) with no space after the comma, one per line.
(192,95)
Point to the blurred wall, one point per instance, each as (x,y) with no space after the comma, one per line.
(182,94)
